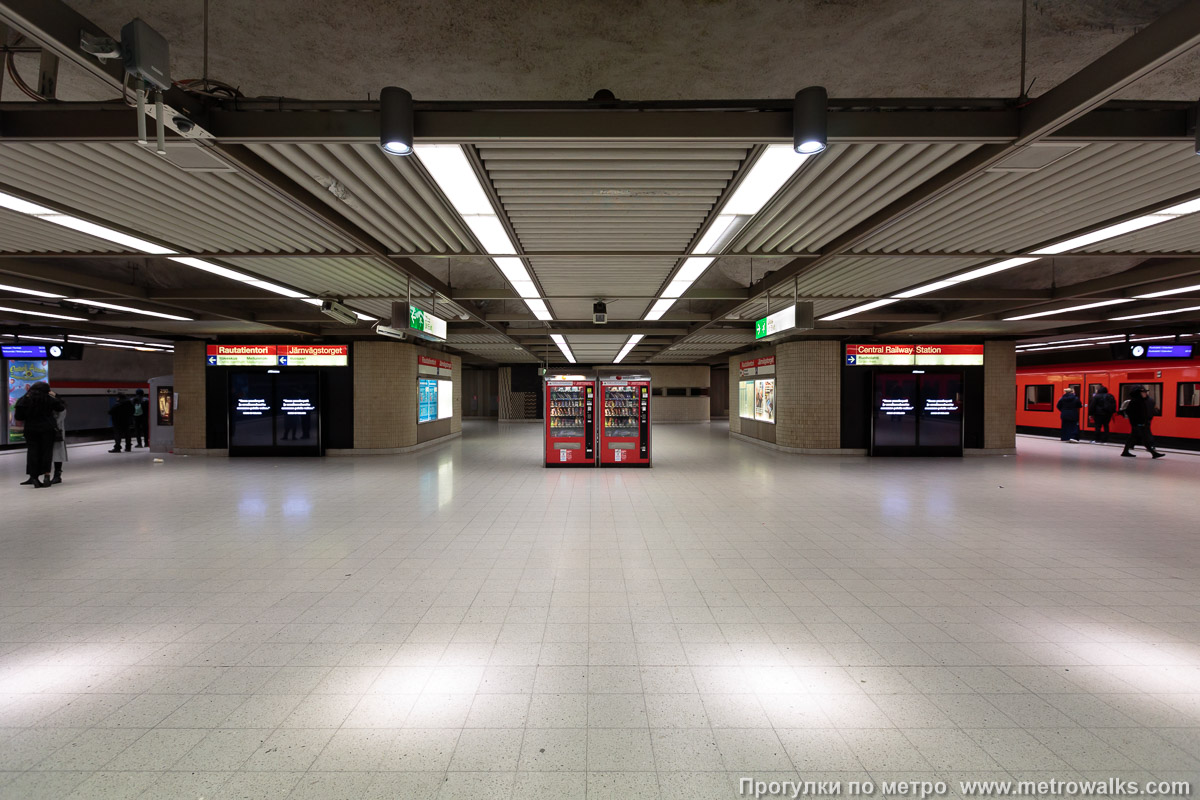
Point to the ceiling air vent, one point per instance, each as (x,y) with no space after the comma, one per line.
(1034,157)
(194,158)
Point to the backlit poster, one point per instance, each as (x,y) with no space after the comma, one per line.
(427,399)
(22,375)
(445,399)
(166,405)
(764,400)
(746,399)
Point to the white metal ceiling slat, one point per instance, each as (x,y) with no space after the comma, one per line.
(1011,212)
(24,234)
(337,277)
(872,276)
(403,177)
(162,201)
(298,165)
(840,187)
(1002,200)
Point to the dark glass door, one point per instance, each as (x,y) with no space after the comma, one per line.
(251,410)
(296,421)
(915,413)
(274,414)
(940,423)
(895,410)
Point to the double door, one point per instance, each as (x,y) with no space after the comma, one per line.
(274,414)
(917,413)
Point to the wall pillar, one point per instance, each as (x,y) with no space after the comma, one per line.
(999,409)
(191,425)
(385,399)
(808,389)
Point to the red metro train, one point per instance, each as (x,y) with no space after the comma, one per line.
(1175,388)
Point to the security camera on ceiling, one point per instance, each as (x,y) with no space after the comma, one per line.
(599,313)
(334,309)
(389,331)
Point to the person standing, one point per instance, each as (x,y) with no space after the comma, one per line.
(141,418)
(1068,409)
(1139,410)
(59,452)
(36,410)
(1102,407)
(122,421)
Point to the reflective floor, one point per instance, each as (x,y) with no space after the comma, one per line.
(464,623)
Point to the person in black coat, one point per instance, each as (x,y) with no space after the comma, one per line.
(122,423)
(1139,410)
(1101,407)
(36,410)
(141,418)
(1068,408)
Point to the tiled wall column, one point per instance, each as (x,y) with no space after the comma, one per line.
(808,392)
(735,419)
(385,415)
(999,409)
(190,421)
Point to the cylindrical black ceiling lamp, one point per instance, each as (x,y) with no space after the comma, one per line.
(809,128)
(396,121)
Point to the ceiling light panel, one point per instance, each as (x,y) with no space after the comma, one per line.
(767,176)
(562,345)
(1111,232)
(448,165)
(1068,310)
(629,345)
(6,288)
(659,308)
(130,309)
(1156,313)
(858,309)
(42,314)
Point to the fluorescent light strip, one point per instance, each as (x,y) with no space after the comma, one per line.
(42,314)
(660,307)
(6,288)
(73,336)
(767,176)
(539,309)
(207,266)
(562,345)
(722,225)
(1068,310)
(1111,232)
(42,339)
(858,309)
(629,345)
(1155,314)
(128,347)
(130,309)
(1168,292)
(13,203)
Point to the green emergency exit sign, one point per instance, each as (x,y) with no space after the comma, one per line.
(426,323)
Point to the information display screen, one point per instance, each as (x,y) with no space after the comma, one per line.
(764,400)
(895,410)
(427,399)
(941,410)
(252,414)
(23,351)
(296,422)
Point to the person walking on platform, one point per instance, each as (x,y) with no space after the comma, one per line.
(141,418)
(122,422)
(1139,410)
(36,410)
(1101,408)
(59,453)
(1068,408)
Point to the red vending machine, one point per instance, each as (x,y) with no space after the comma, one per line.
(625,422)
(570,422)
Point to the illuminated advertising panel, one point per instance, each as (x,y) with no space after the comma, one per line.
(445,399)
(427,399)
(22,375)
(242,355)
(764,400)
(314,355)
(746,399)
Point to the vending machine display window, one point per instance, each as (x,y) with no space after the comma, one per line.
(570,423)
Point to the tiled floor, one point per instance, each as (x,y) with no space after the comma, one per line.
(464,623)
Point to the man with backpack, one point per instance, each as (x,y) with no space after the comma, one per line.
(1139,410)
(1101,408)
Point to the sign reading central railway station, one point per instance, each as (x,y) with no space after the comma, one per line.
(914,355)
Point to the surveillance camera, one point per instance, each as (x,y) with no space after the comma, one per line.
(182,124)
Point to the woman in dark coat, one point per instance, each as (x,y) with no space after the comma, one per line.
(1068,407)
(36,410)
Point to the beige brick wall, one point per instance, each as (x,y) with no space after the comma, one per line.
(385,396)
(678,409)
(190,423)
(999,393)
(735,421)
(676,376)
(808,388)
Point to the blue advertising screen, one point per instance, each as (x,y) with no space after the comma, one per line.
(23,351)
(427,399)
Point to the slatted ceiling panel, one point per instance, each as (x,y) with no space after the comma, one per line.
(1002,212)
(329,277)
(596,276)
(840,187)
(821,305)
(602,196)
(132,188)
(387,197)
(1179,236)
(595,349)
(20,233)
(873,276)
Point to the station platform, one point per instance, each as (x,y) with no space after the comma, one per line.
(462,622)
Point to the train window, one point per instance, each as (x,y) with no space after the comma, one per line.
(1188,400)
(1039,397)
(1153,389)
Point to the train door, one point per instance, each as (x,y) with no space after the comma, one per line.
(1095,380)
